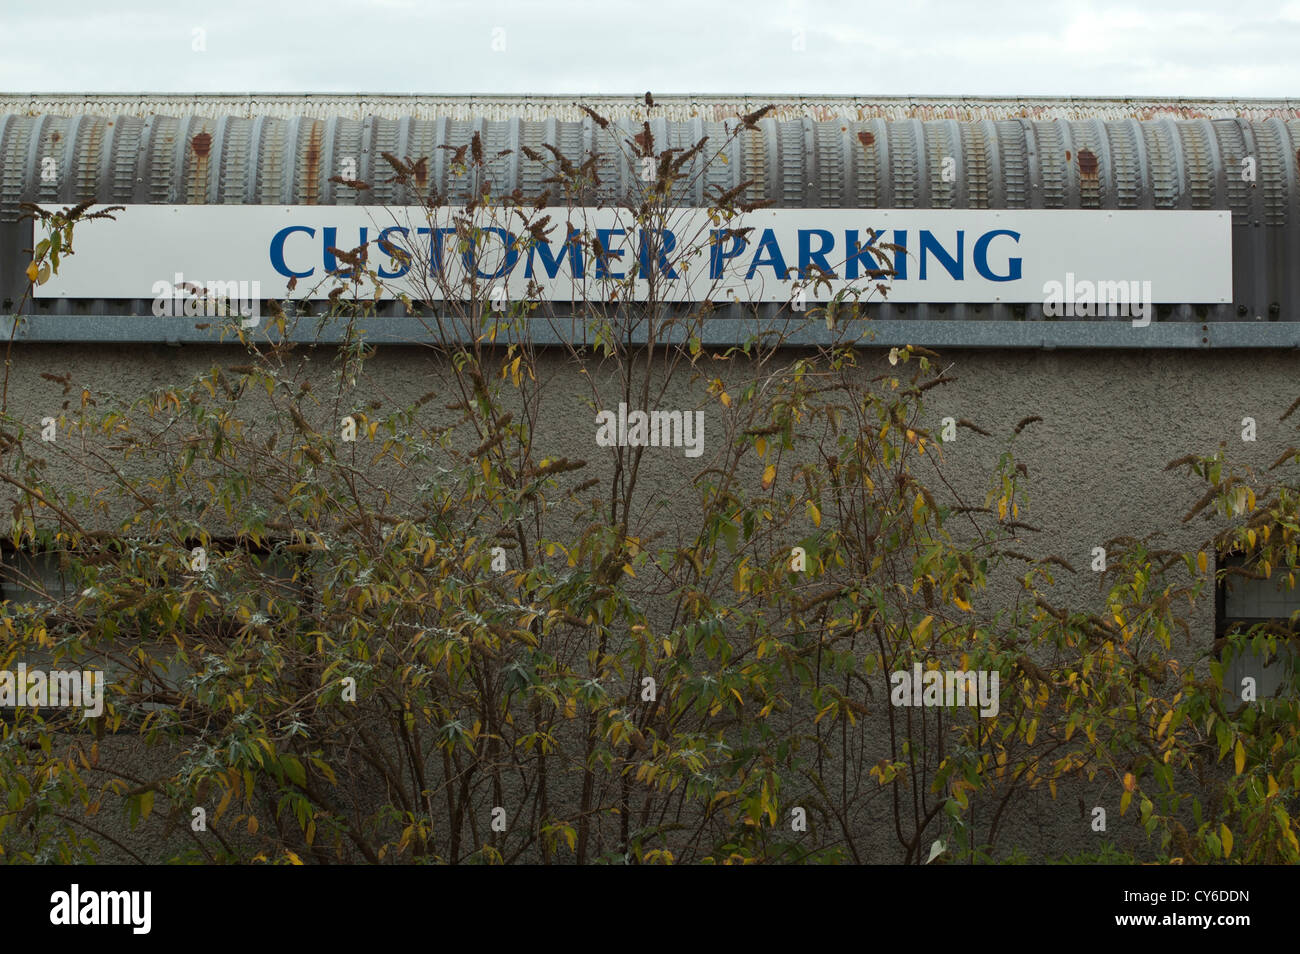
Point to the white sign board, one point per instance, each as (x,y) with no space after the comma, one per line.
(973,256)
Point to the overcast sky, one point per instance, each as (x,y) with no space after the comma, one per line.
(922,47)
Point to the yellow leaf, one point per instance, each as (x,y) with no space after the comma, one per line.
(725,398)
(923,627)
(252,824)
(1032,732)
(760,445)
(1164,724)
(1202,561)
(32,271)
(221,806)
(1225,836)
(960,603)
(1123,802)
(1240,757)
(769,475)
(1272,786)
(917,506)
(814,514)
(1129,782)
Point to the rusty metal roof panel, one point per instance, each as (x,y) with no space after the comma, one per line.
(1245,165)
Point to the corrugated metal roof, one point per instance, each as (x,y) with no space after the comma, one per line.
(800,162)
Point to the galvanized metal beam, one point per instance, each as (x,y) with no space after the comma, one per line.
(1083,335)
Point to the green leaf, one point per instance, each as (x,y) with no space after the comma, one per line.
(293,768)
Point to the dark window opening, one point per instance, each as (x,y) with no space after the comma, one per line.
(1245,599)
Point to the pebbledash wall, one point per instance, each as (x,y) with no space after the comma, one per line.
(1118,398)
